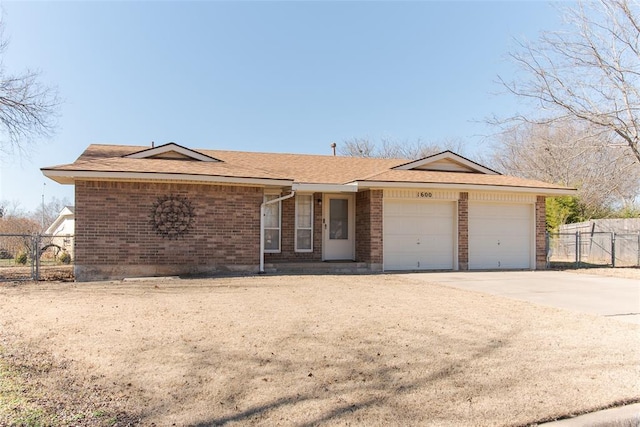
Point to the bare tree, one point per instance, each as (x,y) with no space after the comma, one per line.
(27,107)
(51,211)
(573,154)
(19,230)
(11,208)
(590,73)
(389,148)
(357,147)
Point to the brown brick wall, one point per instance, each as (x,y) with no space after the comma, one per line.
(463,231)
(541,233)
(287,242)
(369,226)
(115,237)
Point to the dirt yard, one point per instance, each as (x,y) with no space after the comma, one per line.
(302,350)
(62,273)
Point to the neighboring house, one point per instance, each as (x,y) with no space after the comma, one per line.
(173,210)
(62,229)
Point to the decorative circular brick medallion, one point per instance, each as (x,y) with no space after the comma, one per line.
(172,216)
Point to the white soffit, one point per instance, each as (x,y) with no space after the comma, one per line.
(325,188)
(465,187)
(447,161)
(171,149)
(69,177)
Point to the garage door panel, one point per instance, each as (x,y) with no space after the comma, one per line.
(418,226)
(418,235)
(500,235)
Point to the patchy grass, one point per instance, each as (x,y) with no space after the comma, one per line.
(15,406)
(35,392)
(310,350)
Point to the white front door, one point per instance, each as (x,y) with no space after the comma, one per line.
(338,227)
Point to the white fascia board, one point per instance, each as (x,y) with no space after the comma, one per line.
(54,226)
(469,187)
(70,176)
(325,188)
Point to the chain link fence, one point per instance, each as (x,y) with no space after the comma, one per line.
(36,257)
(593,249)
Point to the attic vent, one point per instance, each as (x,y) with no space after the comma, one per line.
(446,165)
(171,155)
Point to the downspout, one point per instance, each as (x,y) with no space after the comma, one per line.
(262,206)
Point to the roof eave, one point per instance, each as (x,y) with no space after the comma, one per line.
(543,191)
(70,176)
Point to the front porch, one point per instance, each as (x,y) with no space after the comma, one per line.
(322,267)
(325,232)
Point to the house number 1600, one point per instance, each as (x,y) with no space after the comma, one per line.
(425,194)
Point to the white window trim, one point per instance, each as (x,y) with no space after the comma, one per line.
(295,237)
(274,251)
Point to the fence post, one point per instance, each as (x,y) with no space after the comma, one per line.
(577,249)
(613,249)
(36,249)
(547,243)
(32,258)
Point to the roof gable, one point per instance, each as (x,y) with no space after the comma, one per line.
(171,151)
(447,161)
(67,213)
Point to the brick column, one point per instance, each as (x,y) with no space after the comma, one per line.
(541,233)
(463,231)
(376,227)
(369,228)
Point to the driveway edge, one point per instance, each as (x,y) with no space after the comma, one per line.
(623,416)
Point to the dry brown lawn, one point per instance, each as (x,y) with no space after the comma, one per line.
(302,350)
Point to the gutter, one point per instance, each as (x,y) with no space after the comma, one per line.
(70,176)
(546,191)
(262,207)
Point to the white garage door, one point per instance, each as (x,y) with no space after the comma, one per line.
(418,235)
(500,235)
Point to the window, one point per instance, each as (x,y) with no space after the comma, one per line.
(304,223)
(272,224)
(339,219)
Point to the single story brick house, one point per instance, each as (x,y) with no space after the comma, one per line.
(169,210)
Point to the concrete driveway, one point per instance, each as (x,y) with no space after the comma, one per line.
(606,296)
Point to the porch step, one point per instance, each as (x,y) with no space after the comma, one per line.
(326,267)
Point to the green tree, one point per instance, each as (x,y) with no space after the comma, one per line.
(562,210)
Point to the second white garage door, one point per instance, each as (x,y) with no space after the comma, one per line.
(418,235)
(500,235)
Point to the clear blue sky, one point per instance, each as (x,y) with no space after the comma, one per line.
(262,76)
